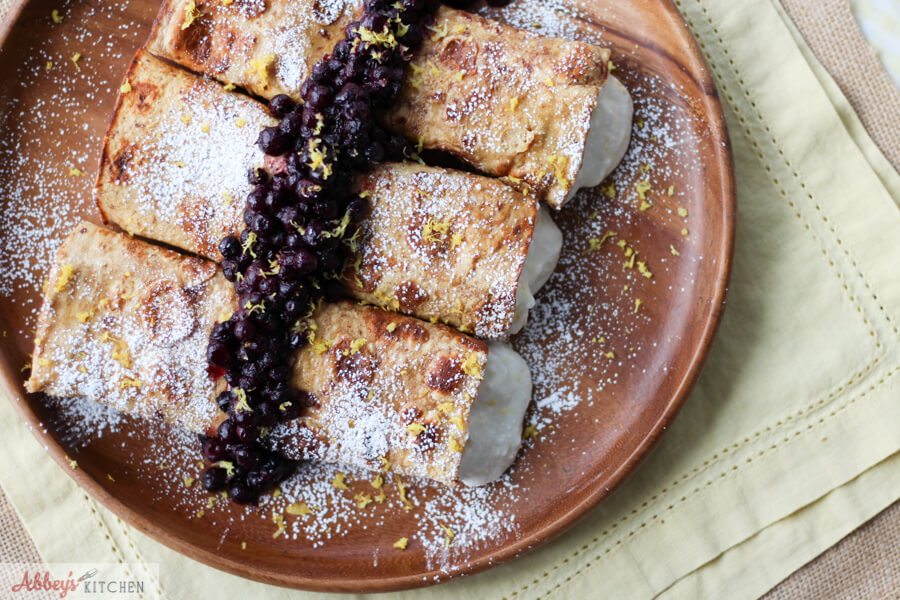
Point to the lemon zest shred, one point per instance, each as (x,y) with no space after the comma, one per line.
(401,491)
(435,231)
(362,500)
(129,382)
(642,187)
(259,67)
(338,481)
(415,428)
(64,277)
(644,270)
(241,405)
(449,534)
(383,38)
(247,246)
(298,509)
(280,527)
(472,366)
(191,14)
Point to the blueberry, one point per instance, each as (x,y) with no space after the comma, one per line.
(241,493)
(214,449)
(230,247)
(227,431)
(273,141)
(224,401)
(215,479)
(281,105)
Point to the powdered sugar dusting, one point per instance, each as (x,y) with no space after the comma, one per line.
(581,343)
(62,131)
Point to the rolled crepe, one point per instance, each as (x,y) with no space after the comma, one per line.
(439,244)
(539,111)
(126,323)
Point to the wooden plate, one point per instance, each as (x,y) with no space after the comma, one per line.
(614,350)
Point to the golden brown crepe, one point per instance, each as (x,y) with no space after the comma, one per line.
(443,244)
(510,103)
(437,243)
(126,323)
(265,46)
(176,157)
(389,387)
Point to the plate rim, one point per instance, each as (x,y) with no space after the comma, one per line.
(723,154)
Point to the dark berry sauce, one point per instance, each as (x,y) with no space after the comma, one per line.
(300,222)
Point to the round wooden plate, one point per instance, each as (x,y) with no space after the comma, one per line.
(616,343)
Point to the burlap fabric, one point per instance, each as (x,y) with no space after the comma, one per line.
(831,32)
(863,565)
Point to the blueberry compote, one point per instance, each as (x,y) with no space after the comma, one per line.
(300,224)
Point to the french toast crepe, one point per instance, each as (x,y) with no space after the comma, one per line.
(266,47)
(126,323)
(437,243)
(176,157)
(540,111)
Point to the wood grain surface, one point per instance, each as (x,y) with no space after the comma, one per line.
(562,473)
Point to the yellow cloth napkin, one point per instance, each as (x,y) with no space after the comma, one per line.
(791,438)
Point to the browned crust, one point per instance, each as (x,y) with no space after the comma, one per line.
(107,136)
(126,323)
(475,64)
(511,103)
(121,321)
(389,387)
(443,244)
(239,45)
(157,169)
(466,276)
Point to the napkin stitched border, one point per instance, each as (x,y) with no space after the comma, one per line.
(757,437)
(769,431)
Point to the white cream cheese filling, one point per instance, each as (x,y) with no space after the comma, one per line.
(543,254)
(608,136)
(495,421)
